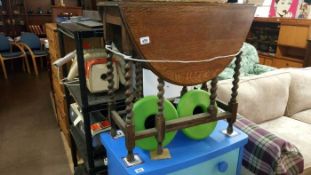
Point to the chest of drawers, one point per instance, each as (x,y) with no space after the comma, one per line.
(216,155)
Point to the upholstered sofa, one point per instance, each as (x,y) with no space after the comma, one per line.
(249,65)
(280,103)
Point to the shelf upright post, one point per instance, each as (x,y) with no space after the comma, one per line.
(67,95)
(84,99)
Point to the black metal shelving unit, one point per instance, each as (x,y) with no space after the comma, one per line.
(96,101)
(82,141)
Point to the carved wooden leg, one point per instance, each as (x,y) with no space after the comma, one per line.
(233,101)
(160,122)
(204,86)
(130,132)
(111,104)
(139,80)
(183,91)
(212,107)
(130,142)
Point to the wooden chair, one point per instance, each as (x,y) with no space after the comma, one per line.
(37,29)
(33,47)
(7,53)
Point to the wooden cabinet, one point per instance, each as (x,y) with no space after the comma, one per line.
(264,36)
(12,17)
(37,14)
(90,4)
(58,11)
(57,88)
(307,60)
(292,43)
(27,15)
(281,42)
(294,36)
(267,60)
(261,60)
(21,15)
(40,12)
(281,62)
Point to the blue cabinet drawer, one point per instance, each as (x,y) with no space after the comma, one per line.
(225,164)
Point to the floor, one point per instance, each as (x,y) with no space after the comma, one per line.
(30,140)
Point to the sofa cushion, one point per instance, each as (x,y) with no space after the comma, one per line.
(261,97)
(300,94)
(304,116)
(294,131)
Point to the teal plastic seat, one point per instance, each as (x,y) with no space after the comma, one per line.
(33,47)
(11,55)
(8,52)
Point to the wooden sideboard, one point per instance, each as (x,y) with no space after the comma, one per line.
(57,88)
(59,98)
(281,42)
(66,11)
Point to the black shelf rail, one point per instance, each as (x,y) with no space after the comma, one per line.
(81,95)
(80,140)
(96,101)
(80,170)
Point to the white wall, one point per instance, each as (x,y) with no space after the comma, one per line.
(263,10)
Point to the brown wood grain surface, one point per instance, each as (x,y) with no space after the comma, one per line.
(187,31)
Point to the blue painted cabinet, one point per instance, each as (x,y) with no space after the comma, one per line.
(216,155)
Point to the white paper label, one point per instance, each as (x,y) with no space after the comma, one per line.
(106,161)
(144,40)
(139,170)
(119,134)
